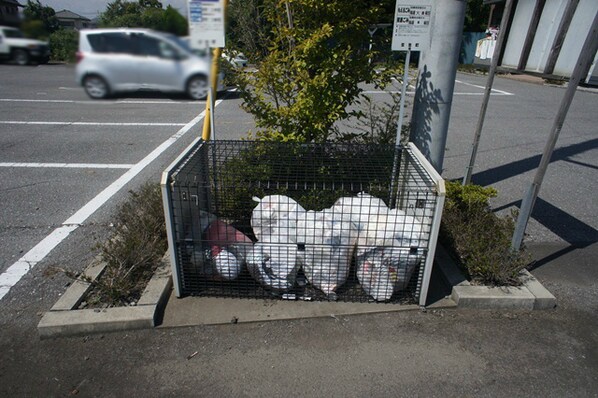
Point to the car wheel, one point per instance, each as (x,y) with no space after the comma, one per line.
(21,57)
(96,87)
(197,87)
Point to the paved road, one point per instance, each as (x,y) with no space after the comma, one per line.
(515,132)
(446,353)
(59,151)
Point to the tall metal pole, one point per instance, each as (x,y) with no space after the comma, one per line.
(497,50)
(437,72)
(588,51)
(395,167)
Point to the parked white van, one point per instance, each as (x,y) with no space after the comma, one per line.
(22,51)
(129,59)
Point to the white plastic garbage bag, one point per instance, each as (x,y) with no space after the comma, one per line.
(391,229)
(274,265)
(387,253)
(275,218)
(326,243)
(360,208)
(382,271)
(227,265)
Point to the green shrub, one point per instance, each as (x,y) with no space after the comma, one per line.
(314,175)
(34,29)
(135,251)
(480,239)
(63,45)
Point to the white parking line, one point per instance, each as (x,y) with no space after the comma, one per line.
(493,91)
(90,123)
(413,92)
(483,88)
(68,165)
(90,102)
(16,271)
(38,100)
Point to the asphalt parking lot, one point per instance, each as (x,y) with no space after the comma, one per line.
(59,151)
(67,160)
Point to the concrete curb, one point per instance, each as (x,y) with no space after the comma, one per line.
(65,320)
(531,295)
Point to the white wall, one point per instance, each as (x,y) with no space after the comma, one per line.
(521,21)
(545,34)
(578,31)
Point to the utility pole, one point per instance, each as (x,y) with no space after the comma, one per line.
(436,82)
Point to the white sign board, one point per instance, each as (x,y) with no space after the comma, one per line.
(412,25)
(206,23)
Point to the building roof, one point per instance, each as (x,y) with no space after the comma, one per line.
(67,14)
(13,2)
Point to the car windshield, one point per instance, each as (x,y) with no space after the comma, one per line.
(13,33)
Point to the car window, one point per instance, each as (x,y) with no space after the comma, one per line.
(13,33)
(119,43)
(147,46)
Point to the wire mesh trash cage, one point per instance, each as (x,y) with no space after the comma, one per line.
(302,221)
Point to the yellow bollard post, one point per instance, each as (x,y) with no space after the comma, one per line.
(214,84)
(217,52)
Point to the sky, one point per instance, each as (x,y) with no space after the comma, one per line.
(91,8)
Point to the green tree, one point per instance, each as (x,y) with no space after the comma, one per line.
(248,29)
(317,56)
(143,13)
(172,21)
(476,16)
(63,45)
(39,21)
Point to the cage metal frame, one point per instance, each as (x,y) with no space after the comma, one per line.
(197,152)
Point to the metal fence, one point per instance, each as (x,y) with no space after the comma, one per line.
(302,221)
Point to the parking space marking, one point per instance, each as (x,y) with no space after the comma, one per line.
(16,271)
(38,100)
(498,92)
(483,88)
(23,122)
(93,102)
(493,91)
(68,165)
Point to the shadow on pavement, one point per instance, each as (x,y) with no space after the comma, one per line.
(500,173)
(570,229)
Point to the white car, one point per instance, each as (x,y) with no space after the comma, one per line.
(238,60)
(129,59)
(22,51)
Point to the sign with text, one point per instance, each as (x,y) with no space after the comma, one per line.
(206,23)
(411,25)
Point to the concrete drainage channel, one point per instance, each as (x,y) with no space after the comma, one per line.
(64,319)
(531,295)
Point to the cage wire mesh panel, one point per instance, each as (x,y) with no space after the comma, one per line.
(300,221)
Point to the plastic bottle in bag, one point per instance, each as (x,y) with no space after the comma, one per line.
(274,265)
(326,244)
